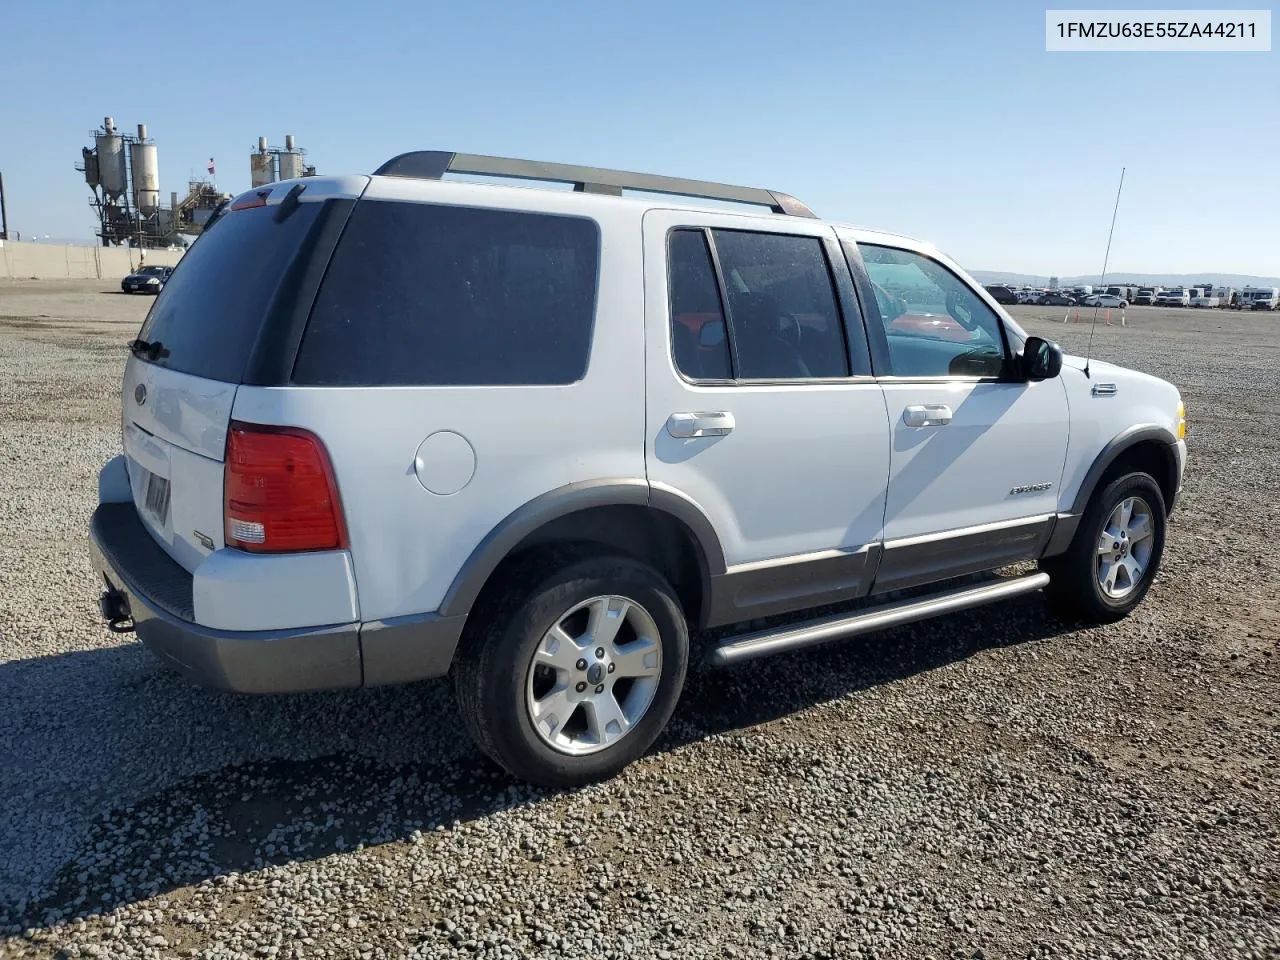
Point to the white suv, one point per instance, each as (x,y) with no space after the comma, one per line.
(382,428)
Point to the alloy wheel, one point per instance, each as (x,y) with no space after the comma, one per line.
(1124,547)
(594,675)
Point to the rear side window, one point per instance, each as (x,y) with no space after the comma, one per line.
(213,306)
(430,295)
(698,339)
(782,307)
(784,319)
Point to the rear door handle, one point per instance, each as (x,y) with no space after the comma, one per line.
(927,415)
(685,426)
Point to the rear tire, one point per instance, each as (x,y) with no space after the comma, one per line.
(1115,555)
(574,667)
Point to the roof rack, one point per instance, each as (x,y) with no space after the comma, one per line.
(434,164)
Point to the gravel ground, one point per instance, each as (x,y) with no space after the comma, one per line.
(996,784)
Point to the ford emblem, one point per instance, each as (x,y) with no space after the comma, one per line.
(140,394)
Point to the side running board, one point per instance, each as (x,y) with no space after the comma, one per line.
(764,643)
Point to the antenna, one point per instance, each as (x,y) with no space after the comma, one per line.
(1102,281)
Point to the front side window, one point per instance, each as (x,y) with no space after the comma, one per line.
(935,325)
(783,319)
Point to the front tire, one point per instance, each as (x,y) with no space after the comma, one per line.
(574,669)
(1116,552)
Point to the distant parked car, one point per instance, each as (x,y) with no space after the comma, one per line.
(1056,300)
(1173,298)
(1105,300)
(1002,294)
(146,280)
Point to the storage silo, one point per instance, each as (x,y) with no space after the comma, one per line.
(146,173)
(110,150)
(290,160)
(90,167)
(262,167)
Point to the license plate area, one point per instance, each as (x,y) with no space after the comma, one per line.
(156,497)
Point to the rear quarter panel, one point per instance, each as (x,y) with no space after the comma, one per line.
(408,544)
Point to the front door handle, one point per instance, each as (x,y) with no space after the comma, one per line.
(685,426)
(927,415)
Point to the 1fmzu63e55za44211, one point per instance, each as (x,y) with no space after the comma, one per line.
(534,438)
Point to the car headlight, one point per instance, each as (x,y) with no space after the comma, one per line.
(1182,420)
(153,280)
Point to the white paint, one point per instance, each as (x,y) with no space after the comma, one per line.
(445,463)
(807,467)
(179,432)
(804,468)
(235,590)
(1139,399)
(1001,436)
(408,547)
(113,482)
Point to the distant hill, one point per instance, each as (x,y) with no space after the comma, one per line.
(1142,279)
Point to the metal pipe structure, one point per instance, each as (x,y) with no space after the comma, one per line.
(4,213)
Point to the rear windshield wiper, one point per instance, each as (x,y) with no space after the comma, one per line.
(152,350)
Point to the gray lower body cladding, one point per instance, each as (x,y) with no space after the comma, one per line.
(157,596)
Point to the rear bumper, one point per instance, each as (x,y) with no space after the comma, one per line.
(157,594)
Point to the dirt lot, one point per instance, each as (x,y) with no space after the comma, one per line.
(995,784)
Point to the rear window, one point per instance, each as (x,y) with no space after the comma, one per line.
(425,295)
(213,305)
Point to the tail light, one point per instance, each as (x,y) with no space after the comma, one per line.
(280,494)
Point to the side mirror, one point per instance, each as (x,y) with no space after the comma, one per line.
(1041,359)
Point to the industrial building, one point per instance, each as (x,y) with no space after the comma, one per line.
(269,164)
(123,172)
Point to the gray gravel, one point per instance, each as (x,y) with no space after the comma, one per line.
(997,784)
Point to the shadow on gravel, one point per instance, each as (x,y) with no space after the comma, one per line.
(245,816)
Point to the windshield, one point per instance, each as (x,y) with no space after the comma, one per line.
(152,271)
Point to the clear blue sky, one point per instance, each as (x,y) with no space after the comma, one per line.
(942,120)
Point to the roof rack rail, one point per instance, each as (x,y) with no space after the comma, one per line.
(434,164)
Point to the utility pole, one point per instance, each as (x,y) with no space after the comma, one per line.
(4,214)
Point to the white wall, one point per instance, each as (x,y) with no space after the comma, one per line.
(49,261)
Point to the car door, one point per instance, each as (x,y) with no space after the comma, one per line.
(977,453)
(761,407)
